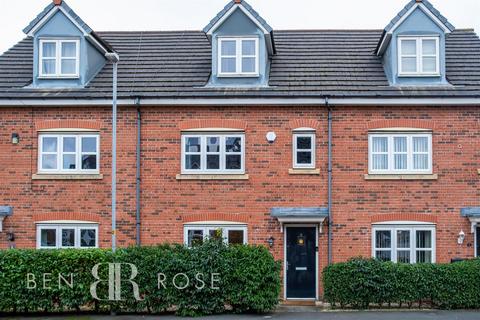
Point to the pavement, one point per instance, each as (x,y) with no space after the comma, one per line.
(294,315)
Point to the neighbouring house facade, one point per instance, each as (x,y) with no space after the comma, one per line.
(319,144)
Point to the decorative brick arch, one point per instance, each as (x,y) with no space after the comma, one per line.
(66,216)
(417,217)
(401,123)
(71,123)
(213,123)
(214,216)
(304,123)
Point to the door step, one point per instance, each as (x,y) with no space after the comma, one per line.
(310,303)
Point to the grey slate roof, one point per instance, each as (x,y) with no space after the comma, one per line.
(470,212)
(308,63)
(427,4)
(247,7)
(49,7)
(300,212)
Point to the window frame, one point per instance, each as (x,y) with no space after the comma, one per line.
(312,150)
(59,152)
(203,152)
(58,227)
(412,228)
(419,56)
(206,228)
(58,59)
(238,57)
(391,153)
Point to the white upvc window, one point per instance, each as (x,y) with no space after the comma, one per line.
(219,153)
(400,153)
(231,234)
(418,56)
(67,235)
(68,153)
(59,58)
(304,150)
(238,56)
(404,243)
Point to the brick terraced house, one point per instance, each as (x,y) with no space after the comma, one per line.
(320,144)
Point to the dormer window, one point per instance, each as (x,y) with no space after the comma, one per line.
(59,58)
(238,57)
(418,56)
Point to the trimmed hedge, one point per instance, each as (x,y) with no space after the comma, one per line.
(359,283)
(248,280)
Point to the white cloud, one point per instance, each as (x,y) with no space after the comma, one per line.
(121,15)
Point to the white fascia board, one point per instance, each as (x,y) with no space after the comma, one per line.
(230,12)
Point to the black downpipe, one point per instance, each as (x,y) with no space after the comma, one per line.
(138,167)
(330,222)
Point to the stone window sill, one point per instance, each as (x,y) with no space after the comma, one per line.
(304,171)
(212,177)
(401,177)
(478,170)
(43,176)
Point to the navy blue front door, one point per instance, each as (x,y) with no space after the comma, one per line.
(478,241)
(301,262)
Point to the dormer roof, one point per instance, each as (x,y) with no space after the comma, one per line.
(426,7)
(229,9)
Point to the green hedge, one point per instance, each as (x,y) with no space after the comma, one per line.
(248,280)
(359,283)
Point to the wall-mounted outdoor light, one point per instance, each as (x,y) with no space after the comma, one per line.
(461,237)
(15,138)
(271,242)
(271,137)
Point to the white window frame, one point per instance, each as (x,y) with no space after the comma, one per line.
(58,58)
(60,153)
(391,159)
(419,56)
(206,228)
(203,153)
(58,227)
(412,228)
(312,150)
(238,57)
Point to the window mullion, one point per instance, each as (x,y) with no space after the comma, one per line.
(394,244)
(239,56)
(58,44)
(419,55)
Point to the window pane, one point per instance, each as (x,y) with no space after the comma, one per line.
(49,49)
(213,144)
(195,237)
(87,237)
(383,255)
(429,47)
(248,65)
(229,65)
(403,239)
(248,48)
(68,237)
(424,239)
(233,144)
(69,66)
(380,162)
(89,144)
(49,161)
(304,157)
(304,143)
(192,162)
(192,144)
(400,145)
(69,161)
(380,144)
(69,49)
(213,161)
(409,47)
(49,144)
(420,162)
(48,66)
(89,162)
(420,144)
(229,48)
(424,257)
(429,64)
(403,256)
(233,162)
(216,234)
(383,239)
(69,144)
(48,238)
(400,161)
(409,64)
(235,236)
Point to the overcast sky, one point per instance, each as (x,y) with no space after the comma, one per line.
(119,15)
